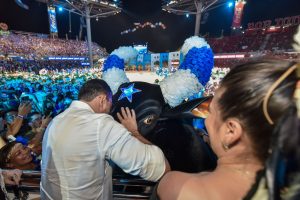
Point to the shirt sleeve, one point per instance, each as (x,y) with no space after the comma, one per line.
(133,156)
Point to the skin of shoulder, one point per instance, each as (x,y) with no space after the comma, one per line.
(179,185)
(216,185)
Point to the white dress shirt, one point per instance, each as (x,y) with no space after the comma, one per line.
(77,146)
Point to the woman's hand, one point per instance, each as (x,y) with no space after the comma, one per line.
(12,177)
(24,108)
(45,121)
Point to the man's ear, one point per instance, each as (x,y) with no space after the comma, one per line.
(233,132)
(102,98)
(101,101)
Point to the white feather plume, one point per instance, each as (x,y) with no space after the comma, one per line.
(126,53)
(114,77)
(193,41)
(179,86)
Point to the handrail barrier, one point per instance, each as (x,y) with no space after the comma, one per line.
(123,187)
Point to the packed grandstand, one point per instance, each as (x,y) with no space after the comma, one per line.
(30,52)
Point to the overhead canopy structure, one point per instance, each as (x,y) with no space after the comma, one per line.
(88,9)
(191,7)
(21,4)
(97,8)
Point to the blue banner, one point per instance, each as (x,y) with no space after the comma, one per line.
(66,58)
(52,19)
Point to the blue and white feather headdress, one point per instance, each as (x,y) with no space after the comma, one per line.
(193,73)
(113,68)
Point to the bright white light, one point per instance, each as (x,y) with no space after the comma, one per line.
(230,4)
(187,15)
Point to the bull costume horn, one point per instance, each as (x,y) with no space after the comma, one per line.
(193,73)
(113,68)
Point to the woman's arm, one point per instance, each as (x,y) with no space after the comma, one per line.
(23,110)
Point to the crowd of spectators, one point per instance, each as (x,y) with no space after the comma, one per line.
(28,103)
(35,66)
(40,95)
(231,62)
(216,77)
(35,46)
(255,40)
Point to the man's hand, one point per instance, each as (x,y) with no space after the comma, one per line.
(12,177)
(24,108)
(128,119)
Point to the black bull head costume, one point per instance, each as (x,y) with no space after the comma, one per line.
(162,116)
(169,128)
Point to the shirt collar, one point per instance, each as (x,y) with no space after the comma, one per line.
(81,104)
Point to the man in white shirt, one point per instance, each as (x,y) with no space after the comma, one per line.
(80,142)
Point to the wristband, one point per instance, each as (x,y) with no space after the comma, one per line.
(11,138)
(22,140)
(20,116)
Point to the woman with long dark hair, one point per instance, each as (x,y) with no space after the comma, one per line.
(244,114)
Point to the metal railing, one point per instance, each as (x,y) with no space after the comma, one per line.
(123,187)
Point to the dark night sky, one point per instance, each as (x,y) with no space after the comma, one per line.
(106,32)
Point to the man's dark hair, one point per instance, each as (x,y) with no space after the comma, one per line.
(93,88)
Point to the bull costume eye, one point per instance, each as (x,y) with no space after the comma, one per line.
(149,119)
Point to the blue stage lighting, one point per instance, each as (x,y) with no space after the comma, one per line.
(60,9)
(187,15)
(230,4)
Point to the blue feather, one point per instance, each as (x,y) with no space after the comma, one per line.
(113,61)
(200,61)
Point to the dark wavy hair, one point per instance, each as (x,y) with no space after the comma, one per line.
(4,151)
(282,169)
(245,88)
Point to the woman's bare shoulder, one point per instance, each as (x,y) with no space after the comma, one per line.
(180,185)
